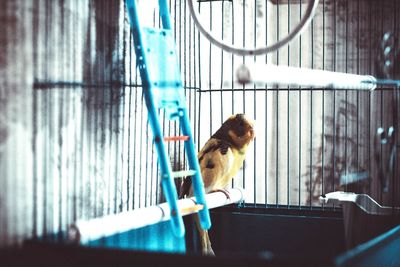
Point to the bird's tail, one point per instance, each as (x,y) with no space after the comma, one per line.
(205,242)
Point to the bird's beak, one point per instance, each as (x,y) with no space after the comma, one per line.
(252,131)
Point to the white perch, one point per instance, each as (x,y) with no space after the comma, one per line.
(363,201)
(84,231)
(267,74)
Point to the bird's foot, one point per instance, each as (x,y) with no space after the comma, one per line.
(226,193)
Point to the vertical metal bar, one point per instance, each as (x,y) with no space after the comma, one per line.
(46,162)
(175,127)
(243,61)
(143,124)
(72,197)
(129,62)
(60,139)
(243,86)
(191,83)
(105,124)
(323,101)
(277,118)
(382,98)
(35,127)
(266,150)
(146,164)
(113,125)
(210,72)
(67,111)
(370,94)
(300,124)
(232,70)
(334,100)
(89,131)
(395,116)
(123,108)
(159,198)
(266,115)
(35,188)
(288,118)
(185,55)
(311,113)
(346,92)
(222,64)
(195,64)
(153,180)
(357,93)
(233,60)
(83,134)
(395,179)
(99,114)
(181,54)
(118,130)
(53,121)
(135,190)
(77,162)
(71,172)
(172,124)
(255,109)
(210,69)
(163,19)
(200,86)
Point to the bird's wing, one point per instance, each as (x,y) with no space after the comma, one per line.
(216,160)
(185,187)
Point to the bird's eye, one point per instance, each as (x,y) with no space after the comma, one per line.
(241,124)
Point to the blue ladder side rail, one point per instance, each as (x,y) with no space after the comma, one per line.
(162,87)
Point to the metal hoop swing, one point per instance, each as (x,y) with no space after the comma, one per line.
(309,14)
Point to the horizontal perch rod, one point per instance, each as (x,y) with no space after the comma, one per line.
(84,231)
(268,74)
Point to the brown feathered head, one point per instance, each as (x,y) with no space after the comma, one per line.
(237,130)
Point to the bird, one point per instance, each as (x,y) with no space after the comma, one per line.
(220,160)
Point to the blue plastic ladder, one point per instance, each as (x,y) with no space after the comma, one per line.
(162,86)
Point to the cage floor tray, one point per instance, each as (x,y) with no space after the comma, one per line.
(247,236)
(312,237)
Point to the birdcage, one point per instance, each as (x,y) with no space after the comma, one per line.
(91,163)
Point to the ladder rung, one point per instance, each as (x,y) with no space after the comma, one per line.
(176,138)
(194,209)
(183,173)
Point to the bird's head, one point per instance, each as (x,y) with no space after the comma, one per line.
(237,130)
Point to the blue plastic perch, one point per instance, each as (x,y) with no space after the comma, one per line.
(162,87)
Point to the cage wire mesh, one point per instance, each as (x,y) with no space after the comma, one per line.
(86,121)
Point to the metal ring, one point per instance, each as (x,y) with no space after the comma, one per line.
(309,14)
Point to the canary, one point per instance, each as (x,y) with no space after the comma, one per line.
(220,160)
